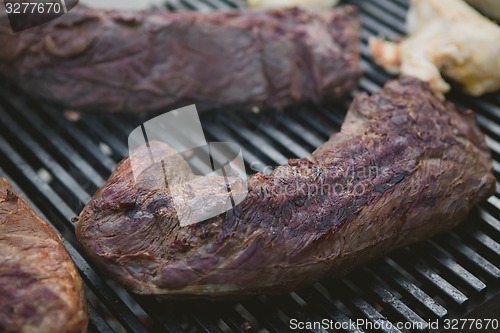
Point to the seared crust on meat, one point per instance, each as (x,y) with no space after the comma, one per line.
(404,167)
(137,62)
(40,289)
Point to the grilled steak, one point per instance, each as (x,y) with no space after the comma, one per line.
(40,289)
(137,62)
(404,167)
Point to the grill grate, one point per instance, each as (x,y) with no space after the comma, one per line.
(58,163)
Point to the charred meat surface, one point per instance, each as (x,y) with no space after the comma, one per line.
(404,167)
(40,289)
(147,61)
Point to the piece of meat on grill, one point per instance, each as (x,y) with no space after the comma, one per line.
(404,167)
(40,289)
(448,37)
(146,61)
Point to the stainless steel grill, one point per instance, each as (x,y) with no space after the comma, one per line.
(58,163)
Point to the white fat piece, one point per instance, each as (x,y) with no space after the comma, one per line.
(448,37)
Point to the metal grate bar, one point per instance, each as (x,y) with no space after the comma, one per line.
(266,156)
(219,133)
(163,315)
(392,273)
(454,270)
(204,321)
(80,140)
(57,143)
(263,144)
(31,145)
(15,161)
(396,10)
(268,318)
(428,274)
(218,4)
(275,134)
(177,5)
(236,322)
(97,130)
(390,21)
(402,3)
(386,297)
(96,322)
(299,130)
(348,294)
(490,220)
(322,304)
(477,262)
(206,4)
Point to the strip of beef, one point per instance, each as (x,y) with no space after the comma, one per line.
(138,62)
(40,289)
(404,167)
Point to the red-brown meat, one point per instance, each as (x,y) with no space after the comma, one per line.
(404,167)
(137,62)
(40,289)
